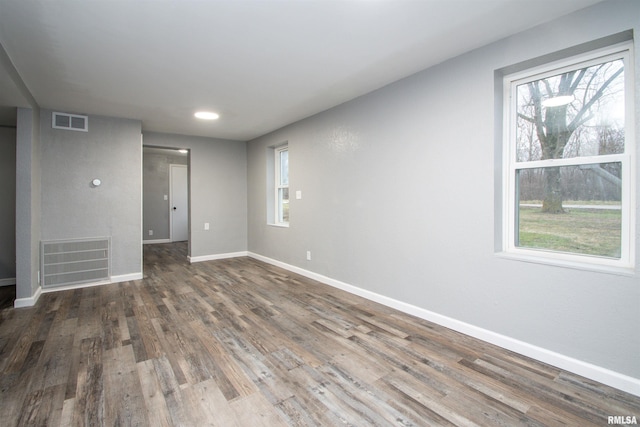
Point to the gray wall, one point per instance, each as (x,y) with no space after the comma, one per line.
(155,185)
(28,203)
(71,209)
(27,161)
(8,197)
(218,192)
(398,191)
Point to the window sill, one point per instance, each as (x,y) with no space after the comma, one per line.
(278,225)
(564,263)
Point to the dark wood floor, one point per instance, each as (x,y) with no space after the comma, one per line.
(241,343)
(7,296)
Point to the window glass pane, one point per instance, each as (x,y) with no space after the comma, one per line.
(284,167)
(283,204)
(573,114)
(575,209)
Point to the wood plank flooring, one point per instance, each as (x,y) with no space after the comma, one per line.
(241,343)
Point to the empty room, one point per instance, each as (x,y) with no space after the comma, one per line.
(319,213)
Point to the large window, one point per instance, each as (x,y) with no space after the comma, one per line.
(569,152)
(281,179)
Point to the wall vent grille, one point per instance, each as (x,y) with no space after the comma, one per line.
(70,122)
(68,262)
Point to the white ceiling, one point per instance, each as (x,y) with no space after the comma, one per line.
(260,64)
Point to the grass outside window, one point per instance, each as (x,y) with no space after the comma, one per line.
(581,230)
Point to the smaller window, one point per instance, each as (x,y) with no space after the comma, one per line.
(281,168)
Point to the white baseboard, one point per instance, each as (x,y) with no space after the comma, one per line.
(8,281)
(127,277)
(579,367)
(201,258)
(153,242)
(76,286)
(28,302)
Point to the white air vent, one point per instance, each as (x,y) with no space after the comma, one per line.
(70,122)
(66,262)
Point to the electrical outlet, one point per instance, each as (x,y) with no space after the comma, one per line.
(308,255)
(150,232)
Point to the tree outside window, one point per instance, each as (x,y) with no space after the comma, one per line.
(569,162)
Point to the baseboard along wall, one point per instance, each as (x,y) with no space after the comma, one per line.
(576,366)
(8,281)
(32,300)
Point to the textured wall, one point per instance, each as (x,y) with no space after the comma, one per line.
(218,192)
(398,198)
(72,209)
(28,203)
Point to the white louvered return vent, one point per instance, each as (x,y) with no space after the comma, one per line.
(67,262)
(70,122)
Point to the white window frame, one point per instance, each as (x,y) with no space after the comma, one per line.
(278,204)
(625,264)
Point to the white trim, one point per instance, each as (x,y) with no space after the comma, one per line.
(28,302)
(112,279)
(588,370)
(625,264)
(141,265)
(152,242)
(572,161)
(127,277)
(281,225)
(76,286)
(539,258)
(8,281)
(201,258)
(589,58)
(278,185)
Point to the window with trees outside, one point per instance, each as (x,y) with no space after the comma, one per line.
(281,163)
(569,152)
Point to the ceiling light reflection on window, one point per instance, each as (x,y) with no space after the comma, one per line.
(558,101)
(206,115)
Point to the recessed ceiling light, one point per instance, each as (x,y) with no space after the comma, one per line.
(558,101)
(206,115)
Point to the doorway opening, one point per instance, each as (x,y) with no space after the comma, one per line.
(8,179)
(165,196)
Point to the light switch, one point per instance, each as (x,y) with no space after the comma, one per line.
(298,194)
(206,225)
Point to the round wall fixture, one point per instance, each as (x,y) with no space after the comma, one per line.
(96,182)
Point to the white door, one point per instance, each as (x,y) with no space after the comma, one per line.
(179,205)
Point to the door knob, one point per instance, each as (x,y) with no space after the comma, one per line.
(174,208)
